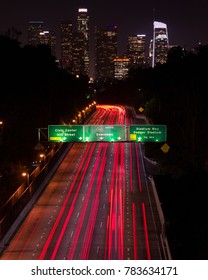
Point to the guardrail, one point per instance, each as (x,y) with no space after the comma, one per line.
(163,237)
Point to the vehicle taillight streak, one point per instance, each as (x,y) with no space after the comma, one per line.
(48,242)
(84,209)
(93,214)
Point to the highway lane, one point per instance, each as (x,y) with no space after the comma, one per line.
(97,205)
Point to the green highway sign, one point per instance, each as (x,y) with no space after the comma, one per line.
(65,133)
(148,133)
(108,133)
(86,133)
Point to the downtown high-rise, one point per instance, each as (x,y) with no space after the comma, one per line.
(75,42)
(106,45)
(160,43)
(35,28)
(37,35)
(82,42)
(137,50)
(66,44)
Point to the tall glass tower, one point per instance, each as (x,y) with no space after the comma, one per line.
(83,29)
(160,43)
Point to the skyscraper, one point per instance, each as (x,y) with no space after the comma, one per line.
(160,43)
(106,44)
(66,44)
(48,38)
(34,30)
(83,29)
(78,55)
(38,36)
(136,50)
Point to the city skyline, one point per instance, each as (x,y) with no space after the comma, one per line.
(133,19)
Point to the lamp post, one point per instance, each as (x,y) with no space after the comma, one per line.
(27,181)
(1,130)
(26,175)
(42,156)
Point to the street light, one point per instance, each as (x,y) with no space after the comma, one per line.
(27,181)
(42,156)
(1,127)
(26,175)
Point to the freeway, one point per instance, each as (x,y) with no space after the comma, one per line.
(98,205)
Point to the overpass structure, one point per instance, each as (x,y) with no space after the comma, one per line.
(107,133)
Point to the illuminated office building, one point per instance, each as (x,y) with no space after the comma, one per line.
(78,57)
(34,30)
(121,66)
(106,44)
(38,36)
(136,50)
(160,43)
(82,40)
(44,37)
(66,44)
(48,38)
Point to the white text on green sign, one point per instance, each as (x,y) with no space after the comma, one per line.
(65,133)
(148,133)
(108,133)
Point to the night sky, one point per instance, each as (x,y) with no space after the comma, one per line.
(187,21)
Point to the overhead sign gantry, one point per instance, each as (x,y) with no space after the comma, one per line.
(87,133)
(107,133)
